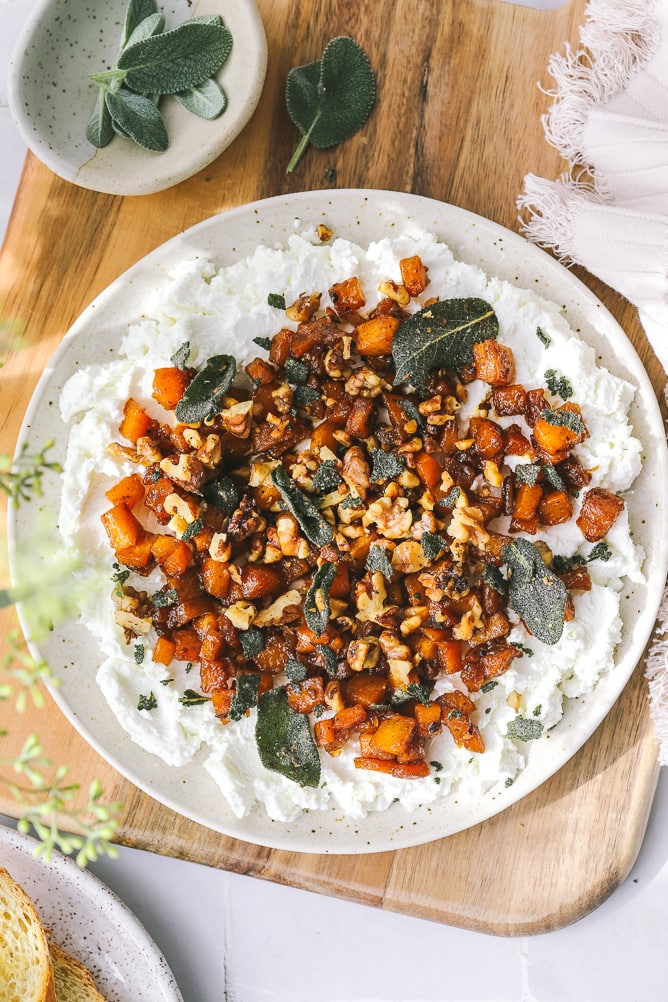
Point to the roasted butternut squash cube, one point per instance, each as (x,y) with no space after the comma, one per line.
(121,526)
(509,400)
(527,499)
(555,508)
(347,296)
(487,436)
(169,385)
(136,423)
(413,274)
(494,362)
(401,770)
(374,337)
(393,734)
(128,491)
(366,689)
(428,719)
(163,651)
(599,510)
(304,696)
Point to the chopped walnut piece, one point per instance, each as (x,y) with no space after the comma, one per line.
(393,518)
(356,471)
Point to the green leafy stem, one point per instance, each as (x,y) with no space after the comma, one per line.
(42,790)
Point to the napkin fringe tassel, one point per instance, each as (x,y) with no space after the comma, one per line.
(617,37)
(656,672)
(550,209)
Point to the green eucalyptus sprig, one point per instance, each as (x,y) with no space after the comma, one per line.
(21,478)
(330,99)
(152,63)
(42,791)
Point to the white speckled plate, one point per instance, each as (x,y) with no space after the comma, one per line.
(87,920)
(361,216)
(51,97)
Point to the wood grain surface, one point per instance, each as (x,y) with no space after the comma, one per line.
(458,118)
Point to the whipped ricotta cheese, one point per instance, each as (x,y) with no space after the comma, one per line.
(221,310)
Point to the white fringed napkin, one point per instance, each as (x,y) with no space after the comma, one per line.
(609,211)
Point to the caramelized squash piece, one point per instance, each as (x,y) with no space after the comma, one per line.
(599,510)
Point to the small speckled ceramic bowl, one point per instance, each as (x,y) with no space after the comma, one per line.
(51,96)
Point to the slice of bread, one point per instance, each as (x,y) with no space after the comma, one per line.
(74,982)
(26,974)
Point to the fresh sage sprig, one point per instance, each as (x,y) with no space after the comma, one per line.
(152,63)
(330,99)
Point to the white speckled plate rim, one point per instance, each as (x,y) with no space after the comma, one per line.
(361,215)
(85,918)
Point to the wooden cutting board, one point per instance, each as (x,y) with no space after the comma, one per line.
(457,119)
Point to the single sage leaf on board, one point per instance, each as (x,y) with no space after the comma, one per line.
(207,100)
(139,119)
(316,603)
(178,59)
(284,741)
(204,396)
(441,336)
(535,592)
(330,100)
(316,529)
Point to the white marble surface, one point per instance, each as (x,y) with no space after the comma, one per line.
(230,938)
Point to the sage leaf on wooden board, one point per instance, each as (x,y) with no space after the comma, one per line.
(330,99)
(207,100)
(441,336)
(139,118)
(284,740)
(175,60)
(535,592)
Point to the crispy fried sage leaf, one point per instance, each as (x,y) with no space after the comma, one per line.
(252,641)
(245,695)
(378,560)
(204,395)
(385,465)
(441,336)
(524,729)
(316,604)
(316,529)
(284,741)
(433,545)
(222,493)
(330,99)
(535,592)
